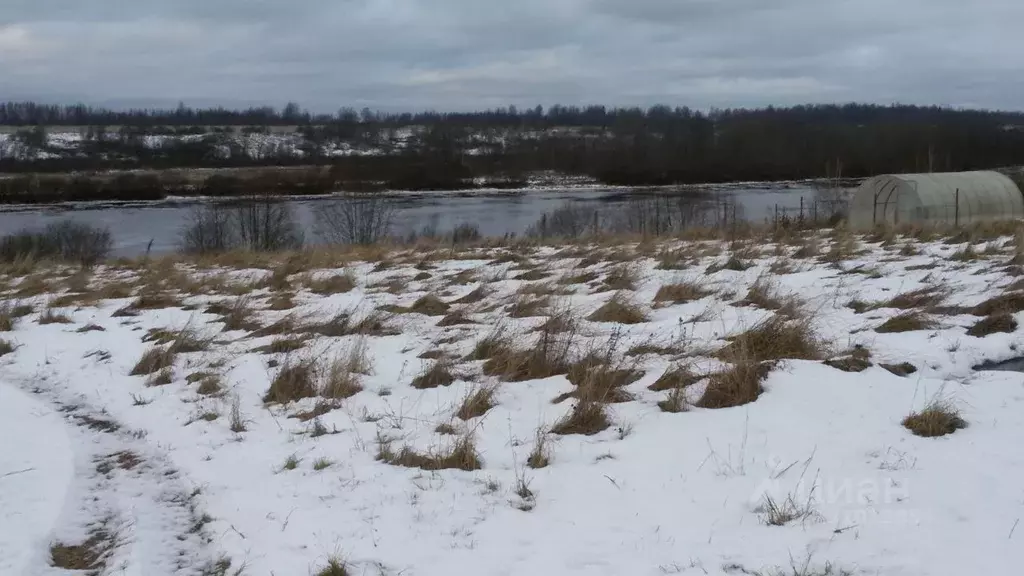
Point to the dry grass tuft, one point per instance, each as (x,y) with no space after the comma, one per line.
(334,567)
(560,322)
(937,419)
(587,417)
(286,325)
(674,402)
(6,317)
(1008,303)
(776,338)
(341,379)
(336,284)
(6,347)
(681,292)
(739,385)
(210,385)
(621,311)
(151,300)
(598,377)
(161,378)
(904,369)
(907,322)
(922,298)
(526,307)
(540,456)
(856,360)
(282,346)
(373,324)
(765,294)
(281,301)
(153,360)
(53,316)
(993,324)
(733,263)
(461,455)
(497,342)
(532,275)
(581,278)
(809,248)
(429,305)
(478,294)
(296,380)
(621,277)
(91,328)
(440,373)
(679,376)
(966,254)
(476,403)
(548,357)
(91,555)
(457,318)
(238,315)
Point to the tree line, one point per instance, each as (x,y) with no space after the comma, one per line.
(626,146)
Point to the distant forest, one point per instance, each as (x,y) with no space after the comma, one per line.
(629,146)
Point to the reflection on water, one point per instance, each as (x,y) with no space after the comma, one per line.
(135,228)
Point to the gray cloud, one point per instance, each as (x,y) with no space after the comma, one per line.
(468,54)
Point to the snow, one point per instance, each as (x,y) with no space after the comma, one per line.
(656,493)
(36,470)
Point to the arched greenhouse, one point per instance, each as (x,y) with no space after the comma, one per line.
(938,198)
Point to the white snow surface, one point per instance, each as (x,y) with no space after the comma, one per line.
(655,493)
(36,471)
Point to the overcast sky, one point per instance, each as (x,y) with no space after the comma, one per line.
(474,54)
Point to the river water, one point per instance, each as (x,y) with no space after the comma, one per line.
(157,226)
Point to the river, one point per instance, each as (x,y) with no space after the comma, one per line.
(157,226)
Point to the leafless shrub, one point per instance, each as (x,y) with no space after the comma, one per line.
(354,219)
(265,223)
(209,230)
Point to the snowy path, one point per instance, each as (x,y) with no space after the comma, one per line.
(36,472)
(75,476)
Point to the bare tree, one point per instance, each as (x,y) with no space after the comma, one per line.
(354,219)
(209,230)
(265,223)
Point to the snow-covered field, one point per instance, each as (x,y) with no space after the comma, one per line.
(299,410)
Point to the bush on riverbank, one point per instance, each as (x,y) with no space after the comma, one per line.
(66,240)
